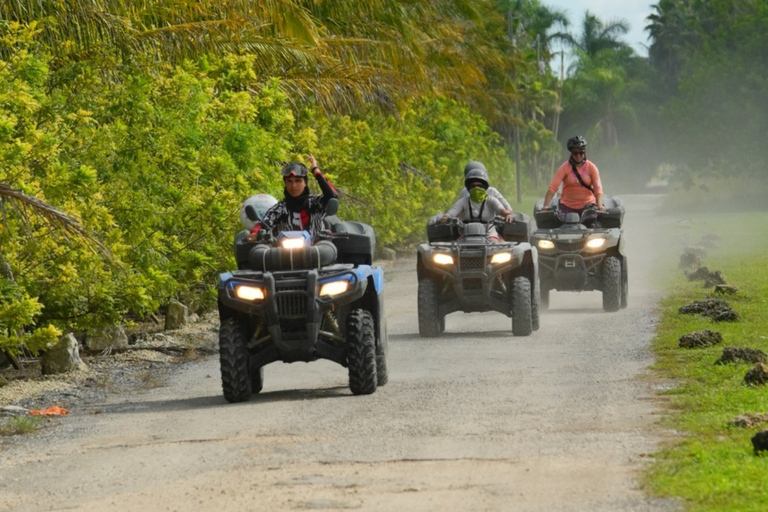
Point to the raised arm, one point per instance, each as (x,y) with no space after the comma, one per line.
(329,191)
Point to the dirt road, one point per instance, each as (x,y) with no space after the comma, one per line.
(475,420)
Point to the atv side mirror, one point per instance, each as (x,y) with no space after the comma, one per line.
(251,213)
(332,207)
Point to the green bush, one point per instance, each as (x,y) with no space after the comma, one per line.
(155,164)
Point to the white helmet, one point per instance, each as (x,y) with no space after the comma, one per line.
(261,203)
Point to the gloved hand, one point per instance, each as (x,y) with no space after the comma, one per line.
(313,165)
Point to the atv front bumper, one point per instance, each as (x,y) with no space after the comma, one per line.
(570,272)
(472,283)
(292,308)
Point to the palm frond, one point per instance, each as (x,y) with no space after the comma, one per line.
(25,204)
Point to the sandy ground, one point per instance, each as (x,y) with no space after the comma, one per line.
(562,420)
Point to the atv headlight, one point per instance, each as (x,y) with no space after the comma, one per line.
(443,259)
(292,243)
(294,239)
(546,244)
(249,292)
(596,243)
(334,288)
(501,257)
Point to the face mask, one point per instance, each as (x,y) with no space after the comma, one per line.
(478,194)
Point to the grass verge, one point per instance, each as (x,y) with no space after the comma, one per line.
(19,425)
(711,466)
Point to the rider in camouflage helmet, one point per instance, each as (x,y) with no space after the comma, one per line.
(576,142)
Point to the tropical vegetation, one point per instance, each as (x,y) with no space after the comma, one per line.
(131,132)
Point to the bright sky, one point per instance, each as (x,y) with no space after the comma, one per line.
(633,11)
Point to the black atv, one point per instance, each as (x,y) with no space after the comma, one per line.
(296,299)
(573,257)
(462,269)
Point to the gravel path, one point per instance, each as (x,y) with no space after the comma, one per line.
(475,420)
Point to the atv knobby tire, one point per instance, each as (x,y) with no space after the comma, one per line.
(382,373)
(611,284)
(522,314)
(361,352)
(233,355)
(624,284)
(535,301)
(431,324)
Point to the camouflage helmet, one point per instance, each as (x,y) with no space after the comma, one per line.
(576,142)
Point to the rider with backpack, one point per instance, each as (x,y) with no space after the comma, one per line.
(582,189)
(478,205)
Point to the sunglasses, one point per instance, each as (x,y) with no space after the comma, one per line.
(577,152)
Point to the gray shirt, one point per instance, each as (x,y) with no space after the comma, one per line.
(493,192)
(465,209)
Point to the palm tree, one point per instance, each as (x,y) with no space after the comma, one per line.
(597,35)
(536,22)
(599,96)
(672,31)
(342,55)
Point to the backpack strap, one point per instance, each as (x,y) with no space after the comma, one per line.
(480,215)
(581,180)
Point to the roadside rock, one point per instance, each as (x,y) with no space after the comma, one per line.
(700,339)
(703,306)
(742,355)
(714,279)
(760,442)
(757,376)
(110,337)
(726,289)
(62,357)
(726,315)
(749,420)
(704,274)
(716,309)
(388,254)
(176,316)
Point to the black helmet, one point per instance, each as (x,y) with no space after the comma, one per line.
(476,175)
(294,169)
(576,142)
(474,165)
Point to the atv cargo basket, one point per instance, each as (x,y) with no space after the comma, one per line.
(437,232)
(355,242)
(547,219)
(517,231)
(614,216)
